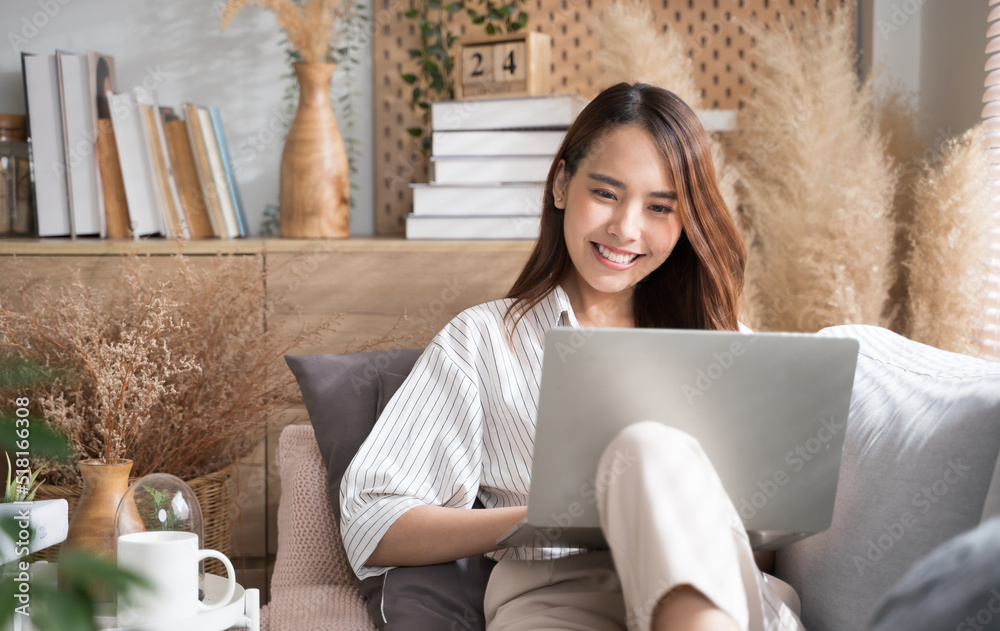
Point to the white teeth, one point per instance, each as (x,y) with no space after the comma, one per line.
(616,258)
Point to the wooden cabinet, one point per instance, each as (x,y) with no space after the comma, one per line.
(368,283)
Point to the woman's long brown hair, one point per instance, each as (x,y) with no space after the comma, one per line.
(700,285)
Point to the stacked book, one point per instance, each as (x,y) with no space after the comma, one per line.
(489,161)
(116,164)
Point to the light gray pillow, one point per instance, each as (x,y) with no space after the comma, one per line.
(922,441)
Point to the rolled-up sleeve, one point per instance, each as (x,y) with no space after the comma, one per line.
(426,448)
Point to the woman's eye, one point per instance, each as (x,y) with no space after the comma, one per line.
(604,194)
(661,209)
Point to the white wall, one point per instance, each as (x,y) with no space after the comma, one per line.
(936,48)
(952,63)
(892,35)
(177,45)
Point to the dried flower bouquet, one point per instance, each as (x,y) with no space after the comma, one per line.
(309,25)
(177,373)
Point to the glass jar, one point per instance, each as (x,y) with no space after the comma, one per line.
(16,216)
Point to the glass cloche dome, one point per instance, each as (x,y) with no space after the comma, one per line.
(159,501)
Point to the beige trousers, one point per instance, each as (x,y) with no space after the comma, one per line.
(668,523)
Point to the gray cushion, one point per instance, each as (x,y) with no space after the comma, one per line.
(341,394)
(957,586)
(922,441)
(344,396)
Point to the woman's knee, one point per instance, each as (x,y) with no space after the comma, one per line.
(650,440)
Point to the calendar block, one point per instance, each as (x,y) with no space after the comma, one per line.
(517,64)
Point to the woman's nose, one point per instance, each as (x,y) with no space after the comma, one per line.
(624,222)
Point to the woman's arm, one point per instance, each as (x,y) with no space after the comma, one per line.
(430,534)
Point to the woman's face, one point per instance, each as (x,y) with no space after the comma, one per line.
(620,220)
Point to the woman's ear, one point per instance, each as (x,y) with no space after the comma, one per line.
(559,185)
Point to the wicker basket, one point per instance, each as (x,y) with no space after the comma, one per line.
(214,492)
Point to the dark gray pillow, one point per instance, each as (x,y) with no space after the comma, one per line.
(341,394)
(920,452)
(344,396)
(957,586)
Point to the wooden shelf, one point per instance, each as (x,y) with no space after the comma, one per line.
(368,283)
(112,247)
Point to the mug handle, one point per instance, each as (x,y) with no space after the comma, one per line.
(231,576)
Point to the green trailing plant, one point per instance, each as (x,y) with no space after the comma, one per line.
(347,56)
(499,17)
(160,502)
(434,60)
(434,79)
(270,225)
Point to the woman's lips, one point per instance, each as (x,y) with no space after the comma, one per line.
(625,260)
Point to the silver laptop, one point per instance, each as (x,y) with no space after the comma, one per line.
(769,409)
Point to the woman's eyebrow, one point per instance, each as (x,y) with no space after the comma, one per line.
(607,179)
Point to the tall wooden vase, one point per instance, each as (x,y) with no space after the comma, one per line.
(315,184)
(92,526)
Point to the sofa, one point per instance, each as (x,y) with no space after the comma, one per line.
(919,469)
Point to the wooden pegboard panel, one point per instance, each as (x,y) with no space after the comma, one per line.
(715,43)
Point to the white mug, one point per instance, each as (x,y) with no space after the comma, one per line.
(169,560)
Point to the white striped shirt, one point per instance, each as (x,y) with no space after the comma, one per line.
(461,424)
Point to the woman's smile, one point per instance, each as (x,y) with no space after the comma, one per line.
(614,258)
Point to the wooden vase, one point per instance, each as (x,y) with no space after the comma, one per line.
(315,179)
(92,527)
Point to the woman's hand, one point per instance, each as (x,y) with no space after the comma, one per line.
(425,535)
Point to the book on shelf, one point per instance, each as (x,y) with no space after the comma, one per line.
(145,214)
(492,227)
(102,84)
(489,169)
(717,120)
(507,142)
(227,165)
(192,201)
(41,93)
(103,159)
(218,173)
(469,199)
(533,112)
(79,123)
(556,110)
(101,80)
(174,222)
(210,192)
(112,185)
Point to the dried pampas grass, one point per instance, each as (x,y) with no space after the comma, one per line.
(949,240)
(631,49)
(900,126)
(815,183)
(727,178)
(308,25)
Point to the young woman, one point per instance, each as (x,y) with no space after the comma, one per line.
(634,233)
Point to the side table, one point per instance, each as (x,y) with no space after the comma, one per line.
(242,612)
